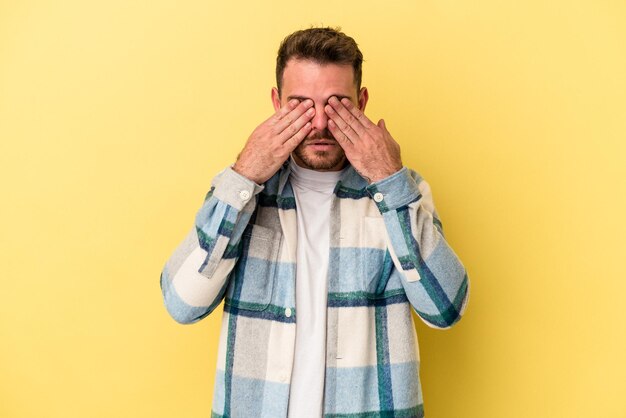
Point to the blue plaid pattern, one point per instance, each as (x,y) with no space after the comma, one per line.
(387,255)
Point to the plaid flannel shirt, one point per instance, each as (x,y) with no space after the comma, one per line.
(387,255)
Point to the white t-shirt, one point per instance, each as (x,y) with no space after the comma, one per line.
(313,191)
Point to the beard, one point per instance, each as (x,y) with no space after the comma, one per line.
(320,160)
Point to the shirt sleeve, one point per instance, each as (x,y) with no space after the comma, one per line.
(195,276)
(434,279)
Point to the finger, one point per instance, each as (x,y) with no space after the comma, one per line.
(292,115)
(295,127)
(357,113)
(291,143)
(381,124)
(346,129)
(283,111)
(341,138)
(346,115)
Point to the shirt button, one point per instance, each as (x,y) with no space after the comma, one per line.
(244,195)
(288,312)
(378,197)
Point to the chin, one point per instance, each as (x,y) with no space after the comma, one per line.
(323,161)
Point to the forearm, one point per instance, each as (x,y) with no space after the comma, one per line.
(433,277)
(195,276)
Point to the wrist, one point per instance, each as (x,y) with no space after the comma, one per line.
(381,175)
(243,172)
(399,189)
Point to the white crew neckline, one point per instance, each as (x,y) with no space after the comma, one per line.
(319,181)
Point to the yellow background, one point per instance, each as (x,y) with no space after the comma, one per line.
(115,115)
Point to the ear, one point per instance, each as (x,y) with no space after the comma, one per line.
(275,98)
(363,97)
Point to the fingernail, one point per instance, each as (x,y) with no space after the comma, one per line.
(310,112)
(309,102)
(293,102)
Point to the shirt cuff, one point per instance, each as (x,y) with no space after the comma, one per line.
(395,191)
(234,189)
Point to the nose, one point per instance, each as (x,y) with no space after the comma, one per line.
(320,120)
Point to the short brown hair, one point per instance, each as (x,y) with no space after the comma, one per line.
(322,45)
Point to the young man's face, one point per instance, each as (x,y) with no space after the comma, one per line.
(304,79)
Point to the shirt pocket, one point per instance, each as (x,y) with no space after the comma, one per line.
(252,280)
(374,256)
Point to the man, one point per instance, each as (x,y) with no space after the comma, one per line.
(319,242)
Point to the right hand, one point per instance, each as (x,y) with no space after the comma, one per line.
(272,142)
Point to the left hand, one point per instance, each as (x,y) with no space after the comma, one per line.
(369,147)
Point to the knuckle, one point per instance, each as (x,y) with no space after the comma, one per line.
(296,139)
(274,148)
(282,154)
(299,136)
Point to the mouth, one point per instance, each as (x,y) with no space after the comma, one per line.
(321,144)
